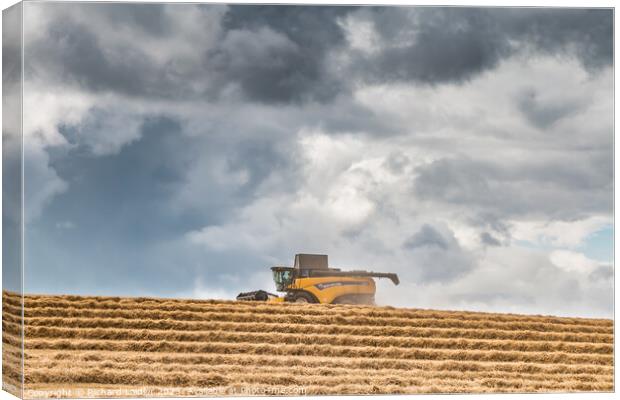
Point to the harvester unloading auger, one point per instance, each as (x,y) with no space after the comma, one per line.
(311,280)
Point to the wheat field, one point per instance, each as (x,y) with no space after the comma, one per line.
(118,347)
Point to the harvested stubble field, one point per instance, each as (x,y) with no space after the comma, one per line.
(110,346)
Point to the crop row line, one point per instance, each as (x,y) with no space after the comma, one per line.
(340,310)
(315,349)
(111,334)
(313,361)
(355,330)
(322,320)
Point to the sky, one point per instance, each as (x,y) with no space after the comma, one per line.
(181,150)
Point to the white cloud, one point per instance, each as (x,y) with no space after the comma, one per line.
(510,279)
(573,261)
(48,109)
(361,34)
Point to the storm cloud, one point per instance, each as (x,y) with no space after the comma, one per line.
(517,189)
(434,45)
(182,149)
(277,54)
(439,255)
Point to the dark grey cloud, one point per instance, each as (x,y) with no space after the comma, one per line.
(269,67)
(149,172)
(489,240)
(557,189)
(150,18)
(278,53)
(437,256)
(427,236)
(492,222)
(544,114)
(128,189)
(455,181)
(447,45)
(602,273)
(274,54)
(397,162)
(74,54)
(454,44)
(586,33)
(259,159)
(314,26)
(282,54)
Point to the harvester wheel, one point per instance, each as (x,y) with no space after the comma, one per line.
(302,297)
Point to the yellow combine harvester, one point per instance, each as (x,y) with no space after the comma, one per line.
(311,280)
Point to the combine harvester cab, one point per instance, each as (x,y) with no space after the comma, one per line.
(310,280)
